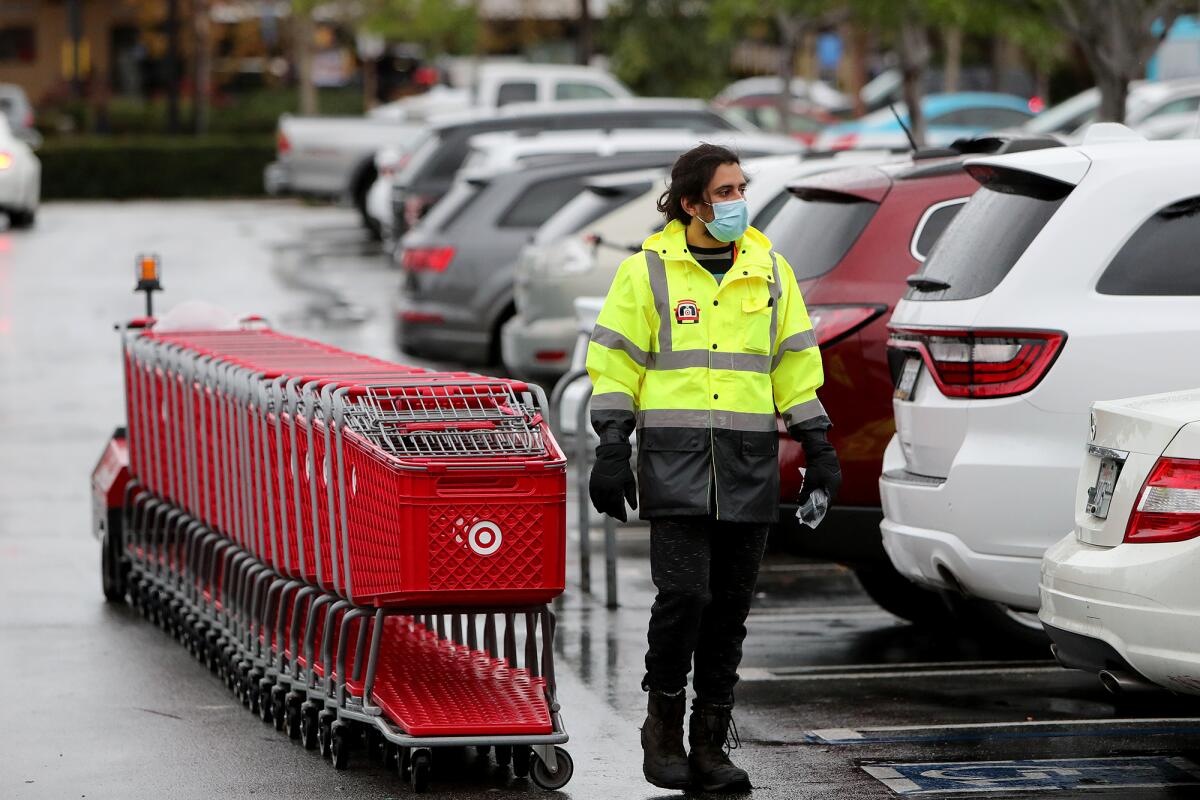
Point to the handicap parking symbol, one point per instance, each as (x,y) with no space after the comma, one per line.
(1035,774)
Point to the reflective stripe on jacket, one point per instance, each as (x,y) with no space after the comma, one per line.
(701,369)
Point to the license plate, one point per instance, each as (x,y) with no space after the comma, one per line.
(908,379)
(1100,495)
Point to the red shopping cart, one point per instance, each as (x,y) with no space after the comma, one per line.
(362,550)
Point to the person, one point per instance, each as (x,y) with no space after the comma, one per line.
(702,337)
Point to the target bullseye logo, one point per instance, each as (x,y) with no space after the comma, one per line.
(484,537)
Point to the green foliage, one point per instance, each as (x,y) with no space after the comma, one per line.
(667,47)
(442,26)
(122,169)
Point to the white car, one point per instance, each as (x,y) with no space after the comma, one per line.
(1119,592)
(1147,110)
(1069,277)
(20,178)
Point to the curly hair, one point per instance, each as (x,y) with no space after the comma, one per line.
(690,176)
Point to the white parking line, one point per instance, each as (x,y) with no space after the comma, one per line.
(853,735)
(850,672)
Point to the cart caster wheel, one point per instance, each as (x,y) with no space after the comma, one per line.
(308,728)
(388,754)
(422,766)
(483,750)
(325,733)
(548,780)
(279,714)
(520,761)
(294,723)
(503,754)
(339,745)
(404,763)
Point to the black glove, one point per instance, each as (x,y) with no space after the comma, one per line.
(823,470)
(612,481)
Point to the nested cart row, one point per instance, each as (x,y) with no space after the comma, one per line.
(362,550)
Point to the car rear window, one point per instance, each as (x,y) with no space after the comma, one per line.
(1160,257)
(816,228)
(447,210)
(584,209)
(763,218)
(539,201)
(983,242)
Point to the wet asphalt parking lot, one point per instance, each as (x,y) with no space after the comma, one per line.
(839,699)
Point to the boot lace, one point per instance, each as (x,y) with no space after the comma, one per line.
(732,740)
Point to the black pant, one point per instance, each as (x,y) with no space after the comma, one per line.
(705,572)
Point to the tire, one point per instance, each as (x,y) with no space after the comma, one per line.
(521,758)
(308,729)
(996,622)
(898,595)
(22,219)
(503,754)
(339,745)
(543,777)
(325,733)
(422,766)
(112,571)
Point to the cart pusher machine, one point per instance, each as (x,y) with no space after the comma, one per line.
(362,550)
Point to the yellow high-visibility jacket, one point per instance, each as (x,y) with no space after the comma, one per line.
(701,369)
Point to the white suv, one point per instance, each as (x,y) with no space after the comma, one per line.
(1071,276)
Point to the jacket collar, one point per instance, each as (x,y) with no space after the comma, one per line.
(753,249)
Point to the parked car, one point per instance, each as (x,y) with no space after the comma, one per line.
(1118,593)
(566,261)
(429,173)
(948,117)
(333,157)
(15,106)
(499,83)
(1147,103)
(1067,278)
(817,92)
(456,310)
(853,236)
(805,120)
(20,178)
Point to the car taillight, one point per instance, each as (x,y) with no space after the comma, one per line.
(834,323)
(1168,508)
(982,363)
(6,160)
(282,145)
(29,120)
(427,259)
(846,141)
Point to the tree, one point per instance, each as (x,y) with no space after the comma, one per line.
(441,26)
(1117,39)
(302,54)
(667,47)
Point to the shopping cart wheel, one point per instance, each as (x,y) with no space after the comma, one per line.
(483,750)
(325,732)
(339,744)
(503,754)
(520,761)
(404,763)
(422,766)
(279,707)
(548,780)
(308,726)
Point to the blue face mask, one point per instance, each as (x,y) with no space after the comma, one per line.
(730,220)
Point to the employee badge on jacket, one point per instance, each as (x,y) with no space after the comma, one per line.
(687,312)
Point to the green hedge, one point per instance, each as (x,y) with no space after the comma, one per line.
(119,169)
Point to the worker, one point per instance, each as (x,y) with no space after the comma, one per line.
(702,337)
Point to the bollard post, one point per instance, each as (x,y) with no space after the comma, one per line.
(610,562)
(585,522)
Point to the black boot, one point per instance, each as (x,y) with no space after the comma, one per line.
(709,736)
(664,763)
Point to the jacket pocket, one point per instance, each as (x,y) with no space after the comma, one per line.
(674,471)
(756,323)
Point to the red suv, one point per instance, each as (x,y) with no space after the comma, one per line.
(853,237)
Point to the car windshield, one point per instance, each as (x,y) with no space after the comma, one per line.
(814,232)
